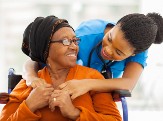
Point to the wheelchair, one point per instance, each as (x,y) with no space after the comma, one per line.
(13,80)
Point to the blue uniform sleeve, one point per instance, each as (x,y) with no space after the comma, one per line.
(139,58)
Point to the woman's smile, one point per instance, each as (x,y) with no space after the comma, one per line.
(105,55)
(72,56)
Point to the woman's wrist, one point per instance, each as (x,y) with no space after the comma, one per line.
(98,85)
(30,106)
(94,85)
(90,84)
(74,114)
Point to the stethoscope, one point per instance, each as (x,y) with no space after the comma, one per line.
(106,72)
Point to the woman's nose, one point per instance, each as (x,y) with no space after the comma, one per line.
(73,46)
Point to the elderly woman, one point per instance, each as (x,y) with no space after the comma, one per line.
(52,41)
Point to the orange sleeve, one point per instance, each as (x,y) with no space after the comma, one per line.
(103,104)
(105,107)
(16,109)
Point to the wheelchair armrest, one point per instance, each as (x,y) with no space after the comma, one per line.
(4,97)
(117,94)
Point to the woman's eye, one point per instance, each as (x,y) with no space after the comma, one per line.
(109,39)
(119,53)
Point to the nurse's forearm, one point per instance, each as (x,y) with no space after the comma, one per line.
(108,85)
(30,69)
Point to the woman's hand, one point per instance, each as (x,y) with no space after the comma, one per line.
(35,82)
(77,87)
(39,97)
(62,99)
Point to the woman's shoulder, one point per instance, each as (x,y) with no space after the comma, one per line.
(80,67)
(21,91)
(140,58)
(87,70)
(93,26)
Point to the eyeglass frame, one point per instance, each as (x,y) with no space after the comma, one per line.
(76,41)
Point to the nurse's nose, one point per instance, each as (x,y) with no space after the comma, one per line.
(109,51)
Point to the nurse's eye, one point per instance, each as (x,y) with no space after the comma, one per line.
(118,52)
(109,38)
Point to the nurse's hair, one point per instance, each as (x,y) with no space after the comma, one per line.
(142,30)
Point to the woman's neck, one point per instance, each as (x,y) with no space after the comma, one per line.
(58,76)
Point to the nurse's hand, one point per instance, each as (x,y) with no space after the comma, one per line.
(77,88)
(35,82)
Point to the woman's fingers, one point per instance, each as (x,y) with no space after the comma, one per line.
(57,99)
(38,82)
(62,85)
(74,95)
(33,85)
(53,99)
(57,91)
(53,103)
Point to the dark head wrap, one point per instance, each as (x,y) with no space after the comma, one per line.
(38,34)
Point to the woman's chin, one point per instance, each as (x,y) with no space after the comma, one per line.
(105,57)
(72,64)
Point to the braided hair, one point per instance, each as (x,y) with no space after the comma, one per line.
(142,30)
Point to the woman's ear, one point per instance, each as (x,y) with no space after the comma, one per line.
(48,63)
(133,55)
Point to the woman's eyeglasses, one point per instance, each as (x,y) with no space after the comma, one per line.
(67,42)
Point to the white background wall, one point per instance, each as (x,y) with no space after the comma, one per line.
(152,78)
(15,15)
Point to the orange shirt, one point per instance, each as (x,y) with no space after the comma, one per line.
(93,106)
